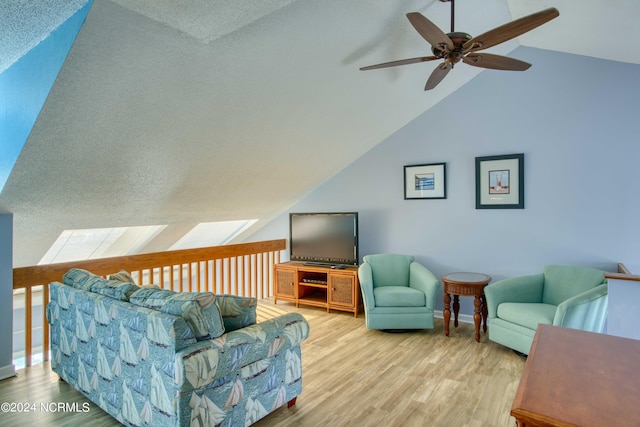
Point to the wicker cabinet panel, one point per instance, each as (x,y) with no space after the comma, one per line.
(285,283)
(341,290)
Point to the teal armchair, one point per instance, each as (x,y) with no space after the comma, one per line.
(568,296)
(398,293)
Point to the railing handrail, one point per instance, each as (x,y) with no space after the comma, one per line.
(623,274)
(44,274)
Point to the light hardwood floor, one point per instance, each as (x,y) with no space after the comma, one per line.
(351,377)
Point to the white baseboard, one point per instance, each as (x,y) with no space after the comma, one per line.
(7,372)
(464,318)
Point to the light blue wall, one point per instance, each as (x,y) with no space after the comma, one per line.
(6,295)
(576,120)
(623,316)
(25,85)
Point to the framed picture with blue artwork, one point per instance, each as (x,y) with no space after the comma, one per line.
(500,182)
(425,181)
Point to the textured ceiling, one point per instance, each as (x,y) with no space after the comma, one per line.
(236,110)
(25,23)
(604,29)
(206,20)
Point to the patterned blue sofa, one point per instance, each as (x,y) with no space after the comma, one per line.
(147,367)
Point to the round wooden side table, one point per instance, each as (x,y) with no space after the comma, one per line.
(465,284)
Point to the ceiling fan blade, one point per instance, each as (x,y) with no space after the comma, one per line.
(511,30)
(438,74)
(495,62)
(401,62)
(430,32)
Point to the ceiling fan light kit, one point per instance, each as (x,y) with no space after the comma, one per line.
(454,46)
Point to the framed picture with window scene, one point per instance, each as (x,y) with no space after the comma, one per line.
(500,182)
(426,181)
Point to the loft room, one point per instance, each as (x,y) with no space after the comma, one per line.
(224,115)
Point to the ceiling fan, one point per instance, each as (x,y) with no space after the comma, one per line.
(455,46)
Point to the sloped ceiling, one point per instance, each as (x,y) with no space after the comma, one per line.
(236,110)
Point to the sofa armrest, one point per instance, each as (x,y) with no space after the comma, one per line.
(524,289)
(365,276)
(241,350)
(422,279)
(586,311)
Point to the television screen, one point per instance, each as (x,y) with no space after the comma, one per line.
(324,238)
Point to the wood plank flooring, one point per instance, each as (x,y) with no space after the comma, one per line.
(351,377)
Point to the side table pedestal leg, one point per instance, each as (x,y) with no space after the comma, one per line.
(485,314)
(456,309)
(476,316)
(447,313)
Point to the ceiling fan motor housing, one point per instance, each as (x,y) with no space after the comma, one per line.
(458,39)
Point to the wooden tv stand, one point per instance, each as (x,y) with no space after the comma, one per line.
(318,286)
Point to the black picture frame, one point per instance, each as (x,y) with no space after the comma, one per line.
(426,181)
(500,182)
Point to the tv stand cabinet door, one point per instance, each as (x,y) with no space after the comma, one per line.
(285,284)
(342,293)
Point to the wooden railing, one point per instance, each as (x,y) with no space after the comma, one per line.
(623,274)
(244,269)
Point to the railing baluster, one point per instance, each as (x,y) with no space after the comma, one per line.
(28,327)
(265,272)
(198,278)
(45,324)
(207,272)
(236,277)
(227,272)
(254,278)
(214,277)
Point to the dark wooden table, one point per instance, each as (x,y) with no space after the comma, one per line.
(465,284)
(578,378)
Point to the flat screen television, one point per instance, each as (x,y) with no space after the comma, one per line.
(324,238)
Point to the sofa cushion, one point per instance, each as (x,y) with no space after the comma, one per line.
(113,289)
(529,315)
(198,309)
(237,312)
(398,296)
(122,276)
(87,281)
(80,279)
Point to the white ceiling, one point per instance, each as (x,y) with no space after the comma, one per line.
(584,27)
(227,110)
(604,29)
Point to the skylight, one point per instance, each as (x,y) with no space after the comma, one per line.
(213,233)
(75,245)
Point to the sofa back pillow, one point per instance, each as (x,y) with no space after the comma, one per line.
(237,312)
(123,276)
(87,281)
(114,289)
(80,279)
(198,309)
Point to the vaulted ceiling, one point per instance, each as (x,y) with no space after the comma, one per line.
(168,114)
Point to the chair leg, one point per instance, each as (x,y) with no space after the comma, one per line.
(291,402)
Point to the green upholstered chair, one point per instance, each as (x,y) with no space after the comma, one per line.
(398,293)
(568,296)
